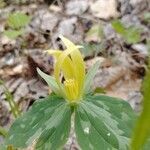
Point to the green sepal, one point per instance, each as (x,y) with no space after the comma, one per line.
(50,81)
(89,77)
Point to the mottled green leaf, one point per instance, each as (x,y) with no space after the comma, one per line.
(54,137)
(146,146)
(47,120)
(104,123)
(18,20)
(3,147)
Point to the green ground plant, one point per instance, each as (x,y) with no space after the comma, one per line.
(16,23)
(131,34)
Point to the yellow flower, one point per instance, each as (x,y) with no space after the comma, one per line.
(70,64)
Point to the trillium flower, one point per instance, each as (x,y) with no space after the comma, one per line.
(70,64)
(48,122)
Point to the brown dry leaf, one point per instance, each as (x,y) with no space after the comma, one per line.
(91,62)
(124,87)
(38,58)
(108,76)
(7,72)
(118,81)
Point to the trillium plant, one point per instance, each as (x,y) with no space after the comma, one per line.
(100,122)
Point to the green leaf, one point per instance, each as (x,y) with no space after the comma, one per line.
(130,34)
(3,147)
(50,81)
(56,136)
(118,26)
(18,20)
(146,146)
(89,77)
(103,123)
(47,122)
(143,124)
(12,34)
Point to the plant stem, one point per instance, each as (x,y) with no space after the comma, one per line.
(13,106)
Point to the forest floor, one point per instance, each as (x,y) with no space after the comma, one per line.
(85,22)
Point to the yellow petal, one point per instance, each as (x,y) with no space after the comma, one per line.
(54,52)
(67,66)
(79,67)
(64,60)
(70,62)
(77,60)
